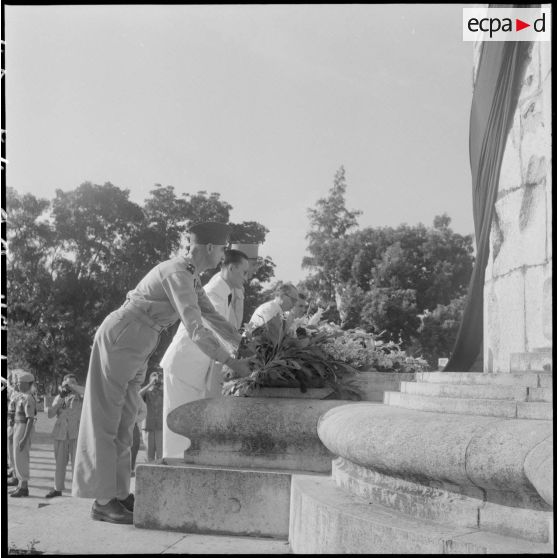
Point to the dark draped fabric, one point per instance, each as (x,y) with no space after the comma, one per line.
(497,88)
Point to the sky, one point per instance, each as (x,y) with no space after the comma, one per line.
(261,103)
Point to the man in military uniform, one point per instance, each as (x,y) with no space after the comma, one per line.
(24,422)
(122,346)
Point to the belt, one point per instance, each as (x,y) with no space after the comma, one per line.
(142,316)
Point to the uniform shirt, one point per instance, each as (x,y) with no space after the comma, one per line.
(25,407)
(173,290)
(68,415)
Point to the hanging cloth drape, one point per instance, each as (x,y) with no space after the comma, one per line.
(497,87)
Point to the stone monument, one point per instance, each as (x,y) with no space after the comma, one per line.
(461,462)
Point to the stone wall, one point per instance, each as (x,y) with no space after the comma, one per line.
(518,281)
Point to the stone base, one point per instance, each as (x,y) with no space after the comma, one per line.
(442,503)
(327,520)
(219,501)
(481,407)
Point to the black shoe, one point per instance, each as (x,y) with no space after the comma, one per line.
(53,493)
(12,481)
(128,502)
(19,492)
(113,512)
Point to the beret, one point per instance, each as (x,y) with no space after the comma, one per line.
(209,233)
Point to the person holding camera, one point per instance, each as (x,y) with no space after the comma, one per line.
(152,394)
(66,407)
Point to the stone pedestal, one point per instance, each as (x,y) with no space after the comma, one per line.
(236,476)
(226,501)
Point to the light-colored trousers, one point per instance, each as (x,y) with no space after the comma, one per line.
(122,346)
(21,457)
(64,451)
(188,375)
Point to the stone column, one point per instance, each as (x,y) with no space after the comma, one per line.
(518,281)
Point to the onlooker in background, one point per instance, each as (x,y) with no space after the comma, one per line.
(152,394)
(136,435)
(25,412)
(66,407)
(11,393)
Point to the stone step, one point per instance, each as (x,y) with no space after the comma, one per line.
(219,501)
(540,394)
(535,361)
(526,379)
(483,407)
(444,503)
(324,519)
(467,391)
(537,411)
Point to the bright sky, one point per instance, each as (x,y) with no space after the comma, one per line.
(260,103)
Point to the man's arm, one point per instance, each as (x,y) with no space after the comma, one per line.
(184,297)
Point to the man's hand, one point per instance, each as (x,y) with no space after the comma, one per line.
(237,368)
(21,444)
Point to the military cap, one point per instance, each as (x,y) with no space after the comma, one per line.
(209,233)
(23,375)
(251,250)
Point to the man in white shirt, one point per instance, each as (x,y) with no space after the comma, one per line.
(188,373)
(272,313)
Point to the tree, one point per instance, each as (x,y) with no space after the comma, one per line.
(72,261)
(401,281)
(438,330)
(330,223)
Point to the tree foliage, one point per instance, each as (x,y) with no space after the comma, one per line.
(72,260)
(401,282)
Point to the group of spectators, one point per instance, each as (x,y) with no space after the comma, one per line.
(66,409)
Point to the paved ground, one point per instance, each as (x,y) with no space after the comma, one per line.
(62,525)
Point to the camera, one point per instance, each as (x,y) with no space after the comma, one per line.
(64,391)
